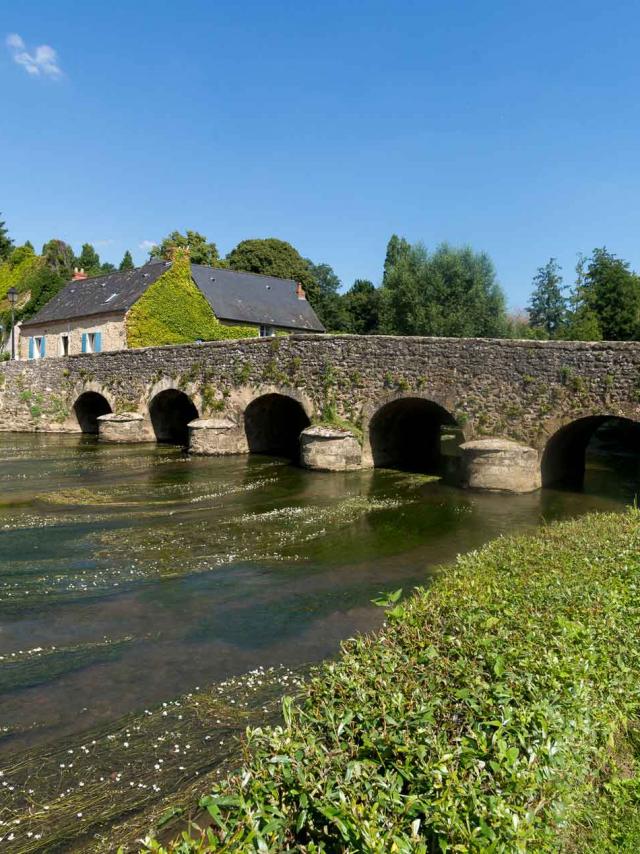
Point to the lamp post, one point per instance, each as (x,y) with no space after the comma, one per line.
(12,293)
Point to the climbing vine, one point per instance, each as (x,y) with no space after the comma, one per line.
(174,311)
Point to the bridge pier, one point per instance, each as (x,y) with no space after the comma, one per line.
(127,427)
(499,465)
(329,449)
(217,437)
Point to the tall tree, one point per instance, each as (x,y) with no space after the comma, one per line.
(362,305)
(6,244)
(201,250)
(273,257)
(327,302)
(612,292)
(59,257)
(452,292)
(548,307)
(397,249)
(127,262)
(89,260)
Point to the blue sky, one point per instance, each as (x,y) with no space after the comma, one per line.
(511,126)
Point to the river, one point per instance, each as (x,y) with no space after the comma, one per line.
(147,597)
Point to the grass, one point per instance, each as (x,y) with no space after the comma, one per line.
(494,712)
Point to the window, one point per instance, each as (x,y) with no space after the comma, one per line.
(64,345)
(267,331)
(91,342)
(37,347)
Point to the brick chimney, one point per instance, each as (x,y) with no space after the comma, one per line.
(78,275)
(300,291)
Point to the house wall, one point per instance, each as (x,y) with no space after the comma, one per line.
(111,326)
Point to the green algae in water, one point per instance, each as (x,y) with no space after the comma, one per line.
(128,774)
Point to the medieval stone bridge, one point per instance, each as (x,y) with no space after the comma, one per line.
(397,395)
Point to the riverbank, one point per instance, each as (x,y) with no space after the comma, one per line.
(495,711)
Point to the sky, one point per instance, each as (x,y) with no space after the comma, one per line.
(513,127)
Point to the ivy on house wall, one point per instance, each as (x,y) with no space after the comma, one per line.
(173,311)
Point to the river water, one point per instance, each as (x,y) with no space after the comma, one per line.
(136,576)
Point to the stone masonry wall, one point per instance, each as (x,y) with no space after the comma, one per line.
(524,390)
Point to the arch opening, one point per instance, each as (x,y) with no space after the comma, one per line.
(413,434)
(273,423)
(88,408)
(170,412)
(601,446)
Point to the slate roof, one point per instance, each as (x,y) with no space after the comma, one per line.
(253,298)
(233,296)
(115,292)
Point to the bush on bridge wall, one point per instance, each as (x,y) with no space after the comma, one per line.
(174,311)
(482,717)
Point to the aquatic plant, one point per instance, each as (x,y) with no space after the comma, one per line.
(481,718)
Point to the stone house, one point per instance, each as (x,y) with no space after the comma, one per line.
(89,315)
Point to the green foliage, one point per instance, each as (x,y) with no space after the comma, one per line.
(582,325)
(273,257)
(89,260)
(59,257)
(127,262)
(325,298)
(479,719)
(329,417)
(14,271)
(612,292)
(174,311)
(200,250)
(548,307)
(362,306)
(6,244)
(452,292)
(398,250)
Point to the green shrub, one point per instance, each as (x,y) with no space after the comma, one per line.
(479,719)
(174,311)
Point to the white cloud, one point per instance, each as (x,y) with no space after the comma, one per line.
(147,244)
(43,60)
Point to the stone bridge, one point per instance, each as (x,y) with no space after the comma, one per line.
(525,410)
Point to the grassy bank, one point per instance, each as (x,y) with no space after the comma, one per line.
(494,712)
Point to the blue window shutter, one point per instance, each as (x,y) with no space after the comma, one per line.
(43,347)
(97,342)
(84,342)
(31,348)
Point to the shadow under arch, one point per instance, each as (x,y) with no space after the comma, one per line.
(565,453)
(89,406)
(273,423)
(406,434)
(170,412)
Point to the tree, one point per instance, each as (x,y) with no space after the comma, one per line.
(452,292)
(89,260)
(362,305)
(273,257)
(6,244)
(127,262)
(397,248)
(59,257)
(548,307)
(612,292)
(106,268)
(202,252)
(327,302)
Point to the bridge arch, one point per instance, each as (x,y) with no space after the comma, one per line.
(405,433)
(170,411)
(88,407)
(564,454)
(273,422)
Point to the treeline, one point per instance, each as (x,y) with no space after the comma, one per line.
(450,291)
